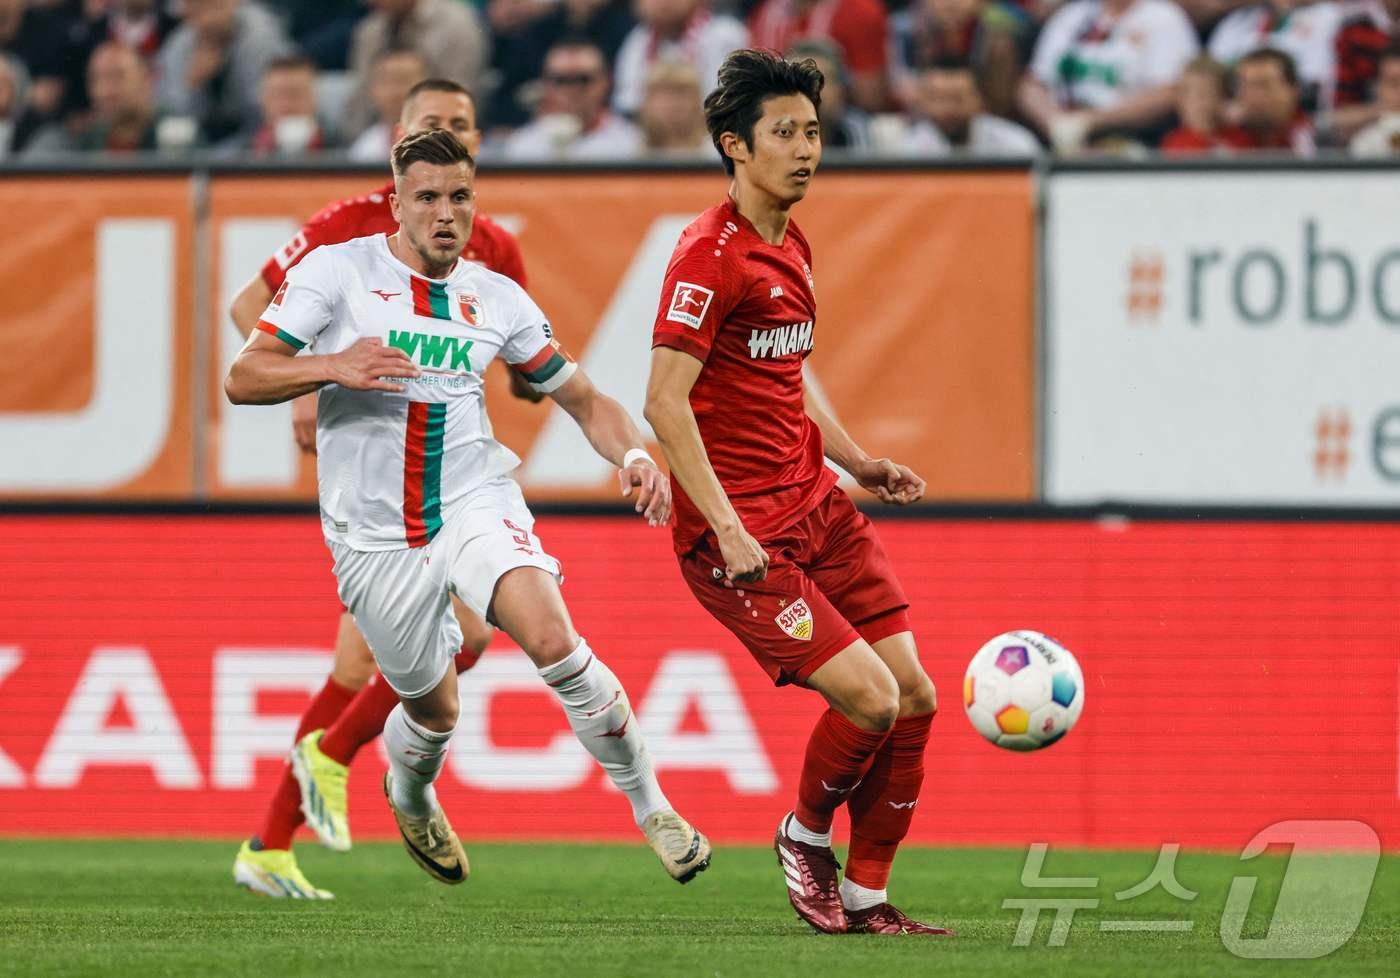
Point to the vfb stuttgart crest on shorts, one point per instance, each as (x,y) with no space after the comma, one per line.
(796,620)
(470,307)
(689,303)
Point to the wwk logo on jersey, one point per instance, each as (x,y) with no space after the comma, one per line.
(433,351)
(689,303)
(796,620)
(470,307)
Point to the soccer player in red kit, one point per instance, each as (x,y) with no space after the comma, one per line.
(354,703)
(767,541)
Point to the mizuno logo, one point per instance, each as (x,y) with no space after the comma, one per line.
(620,731)
(904,804)
(386,296)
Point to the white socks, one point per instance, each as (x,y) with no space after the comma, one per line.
(602,719)
(798,832)
(857,897)
(416,755)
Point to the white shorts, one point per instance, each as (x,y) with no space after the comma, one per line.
(401,598)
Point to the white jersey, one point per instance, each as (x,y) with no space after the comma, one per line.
(1306,35)
(392,467)
(1088,61)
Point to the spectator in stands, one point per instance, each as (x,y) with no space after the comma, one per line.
(673,30)
(141,24)
(1382,137)
(1106,65)
(287,98)
(447,33)
(395,71)
(123,117)
(1371,27)
(859,27)
(949,117)
(18,122)
(36,37)
(672,116)
(992,35)
(572,121)
(844,126)
(1200,108)
(322,29)
(1304,30)
(211,67)
(519,56)
(1269,105)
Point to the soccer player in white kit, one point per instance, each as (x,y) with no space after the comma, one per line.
(416,498)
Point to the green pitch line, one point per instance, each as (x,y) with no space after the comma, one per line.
(119,908)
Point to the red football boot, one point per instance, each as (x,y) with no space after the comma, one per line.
(810,875)
(886,919)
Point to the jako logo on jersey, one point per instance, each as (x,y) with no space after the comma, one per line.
(689,303)
(470,306)
(782,341)
(796,620)
(431,350)
(776,292)
(281,294)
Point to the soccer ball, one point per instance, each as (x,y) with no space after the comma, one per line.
(1023,691)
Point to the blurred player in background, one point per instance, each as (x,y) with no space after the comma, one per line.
(431,103)
(767,541)
(416,498)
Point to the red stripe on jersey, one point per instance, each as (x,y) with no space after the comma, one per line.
(415,444)
(422,299)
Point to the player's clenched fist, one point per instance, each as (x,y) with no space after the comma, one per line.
(366,362)
(892,482)
(653,490)
(745,560)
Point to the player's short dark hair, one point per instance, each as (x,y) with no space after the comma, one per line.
(437,85)
(1285,63)
(746,79)
(295,61)
(435,146)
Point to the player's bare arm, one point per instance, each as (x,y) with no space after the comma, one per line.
(246,308)
(615,436)
(668,410)
(891,482)
(268,371)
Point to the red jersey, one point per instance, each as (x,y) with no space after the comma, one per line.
(747,310)
(358,217)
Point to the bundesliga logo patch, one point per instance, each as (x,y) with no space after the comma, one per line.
(689,303)
(470,307)
(281,294)
(796,620)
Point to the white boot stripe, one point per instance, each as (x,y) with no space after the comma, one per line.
(787,856)
(792,874)
(794,887)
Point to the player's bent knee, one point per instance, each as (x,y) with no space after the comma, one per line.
(875,709)
(550,645)
(921,700)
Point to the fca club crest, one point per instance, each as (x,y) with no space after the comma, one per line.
(471,308)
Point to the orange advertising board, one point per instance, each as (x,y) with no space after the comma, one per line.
(924,341)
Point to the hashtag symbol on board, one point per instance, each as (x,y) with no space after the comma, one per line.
(1146,274)
(1333,436)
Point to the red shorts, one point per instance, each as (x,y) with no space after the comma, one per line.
(829,583)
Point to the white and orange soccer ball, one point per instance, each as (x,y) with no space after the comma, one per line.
(1023,691)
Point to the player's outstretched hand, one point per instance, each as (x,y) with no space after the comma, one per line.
(652,487)
(745,560)
(893,483)
(304,422)
(365,363)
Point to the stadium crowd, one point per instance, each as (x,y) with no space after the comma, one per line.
(610,79)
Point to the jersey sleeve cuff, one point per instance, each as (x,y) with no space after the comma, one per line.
(272,329)
(685,342)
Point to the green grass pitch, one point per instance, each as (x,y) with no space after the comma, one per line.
(128,908)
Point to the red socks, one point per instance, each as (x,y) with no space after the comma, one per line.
(837,753)
(284,813)
(882,807)
(364,720)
